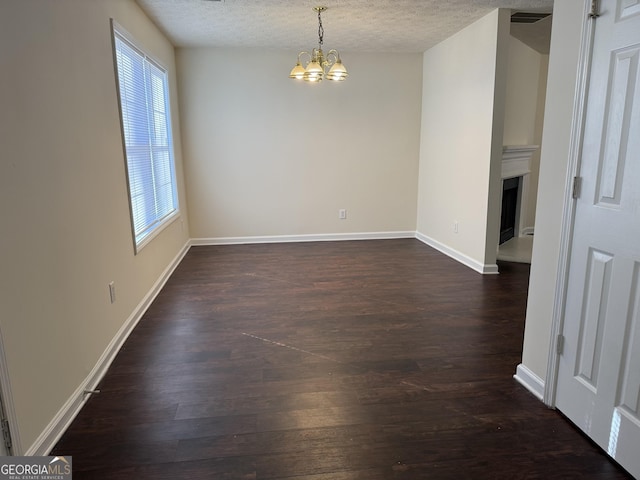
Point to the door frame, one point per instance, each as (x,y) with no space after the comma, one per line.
(6,398)
(569,205)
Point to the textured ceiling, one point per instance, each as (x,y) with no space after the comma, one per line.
(349,25)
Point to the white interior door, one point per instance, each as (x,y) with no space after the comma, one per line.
(599,371)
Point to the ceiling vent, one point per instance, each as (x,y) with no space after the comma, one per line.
(528,17)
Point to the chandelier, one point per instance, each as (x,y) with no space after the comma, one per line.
(319,65)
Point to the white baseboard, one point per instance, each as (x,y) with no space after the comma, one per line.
(530,381)
(50,436)
(456,255)
(527,231)
(322,237)
(332,237)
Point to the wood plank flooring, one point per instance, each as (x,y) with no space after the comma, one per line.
(327,361)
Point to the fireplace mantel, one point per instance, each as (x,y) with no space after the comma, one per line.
(516,160)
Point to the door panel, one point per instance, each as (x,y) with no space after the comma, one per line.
(624,437)
(599,369)
(629,395)
(627,9)
(592,322)
(616,134)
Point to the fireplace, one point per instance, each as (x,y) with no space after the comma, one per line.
(509,212)
(516,166)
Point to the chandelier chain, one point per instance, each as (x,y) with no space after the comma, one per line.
(320,29)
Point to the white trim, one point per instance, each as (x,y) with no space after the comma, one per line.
(456,255)
(321,237)
(7,401)
(61,421)
(516,160)
(527,231)
(157,230)
(530,381)
(133,43)
(333,237)
(568,209)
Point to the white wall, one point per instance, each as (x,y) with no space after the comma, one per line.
(524,113)
(529,216)
(266,155)
(523,76)
(568,19)
(63,203)
(461,143)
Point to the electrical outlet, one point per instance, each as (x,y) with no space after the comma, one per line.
(112,292)
(455,227)
(342,214)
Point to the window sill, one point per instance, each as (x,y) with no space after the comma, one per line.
(156,231)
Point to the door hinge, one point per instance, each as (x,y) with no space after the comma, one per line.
(6,434)
(559,344)
(575,192)
(593,13)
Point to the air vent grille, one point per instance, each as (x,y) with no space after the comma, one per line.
(528,17)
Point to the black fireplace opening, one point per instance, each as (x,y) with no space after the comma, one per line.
(510,188)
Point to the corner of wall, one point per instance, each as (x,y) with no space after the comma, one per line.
(458,105)
(560,103)
(492,233)
(530,381)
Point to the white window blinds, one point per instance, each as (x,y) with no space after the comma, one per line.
(144,109)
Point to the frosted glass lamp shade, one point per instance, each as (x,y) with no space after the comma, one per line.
(338,72)
(297,72)
(314,72)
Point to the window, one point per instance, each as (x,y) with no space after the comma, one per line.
(146,131)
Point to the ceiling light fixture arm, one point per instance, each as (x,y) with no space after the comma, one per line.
(305,53)
(332,53)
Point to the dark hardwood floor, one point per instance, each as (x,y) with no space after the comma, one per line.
(327,361)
